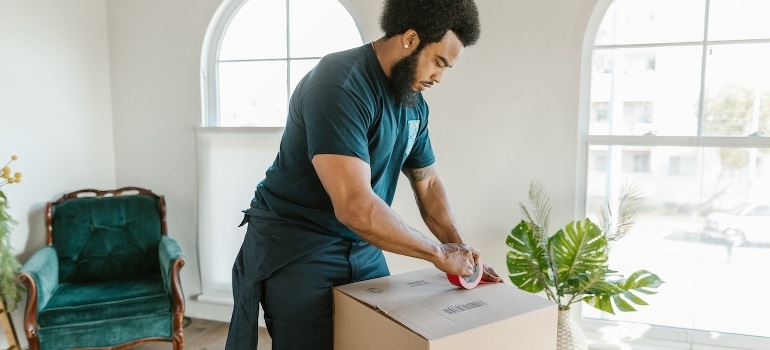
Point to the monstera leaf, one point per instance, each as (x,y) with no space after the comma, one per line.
(621,293)
(579,249)
(527,259)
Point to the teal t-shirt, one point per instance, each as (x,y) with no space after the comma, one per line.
(345,106)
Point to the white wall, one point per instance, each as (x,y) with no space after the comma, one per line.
(506,114)
(55,108)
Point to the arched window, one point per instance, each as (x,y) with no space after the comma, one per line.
(265,47)
(677,103)
(254,54)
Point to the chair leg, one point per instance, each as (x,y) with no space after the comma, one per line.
(178,339)
(33,343)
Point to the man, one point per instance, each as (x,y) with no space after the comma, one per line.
(321,217)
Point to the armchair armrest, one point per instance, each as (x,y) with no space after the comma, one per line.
(171,261)
(40,274)
(168,253)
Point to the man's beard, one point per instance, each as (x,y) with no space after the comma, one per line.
(402,79)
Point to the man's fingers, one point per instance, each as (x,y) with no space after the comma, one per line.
(490,275)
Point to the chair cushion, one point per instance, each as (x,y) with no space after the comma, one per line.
(106,334)
(104,238)
(74,303)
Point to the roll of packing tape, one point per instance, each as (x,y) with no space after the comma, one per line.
(471,281)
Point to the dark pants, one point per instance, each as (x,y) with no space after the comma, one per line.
(291,271)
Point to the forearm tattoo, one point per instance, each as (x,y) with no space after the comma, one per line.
(420,174)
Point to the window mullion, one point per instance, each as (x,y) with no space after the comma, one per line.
(677,141)
(288,50)
(704,61)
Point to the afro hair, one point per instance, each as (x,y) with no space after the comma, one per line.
(432,19)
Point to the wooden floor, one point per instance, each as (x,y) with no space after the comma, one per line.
(204,335)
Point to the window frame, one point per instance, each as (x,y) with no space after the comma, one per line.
(212,43)
(650,336)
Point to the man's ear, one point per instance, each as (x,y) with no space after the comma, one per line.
(410,39)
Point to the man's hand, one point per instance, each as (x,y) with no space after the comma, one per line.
(457,259)
(490,275)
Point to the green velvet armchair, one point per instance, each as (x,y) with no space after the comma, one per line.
(109,275)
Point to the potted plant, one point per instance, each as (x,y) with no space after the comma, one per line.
(10,289)
(572,264)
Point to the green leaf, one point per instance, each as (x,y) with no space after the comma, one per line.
(622,304)
(527,264)
(633,298)
(578,249)
(642,281)
(601,302)
(623,293)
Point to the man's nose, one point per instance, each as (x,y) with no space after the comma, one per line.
(437,76)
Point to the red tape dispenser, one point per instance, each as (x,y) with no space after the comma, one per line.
(471,281)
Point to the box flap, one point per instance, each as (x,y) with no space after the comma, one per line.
(425,302)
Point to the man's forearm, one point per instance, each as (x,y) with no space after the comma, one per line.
(379,225)
(347,181)
(375,222)
(433,203)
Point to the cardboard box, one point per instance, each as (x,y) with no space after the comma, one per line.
(422,310)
